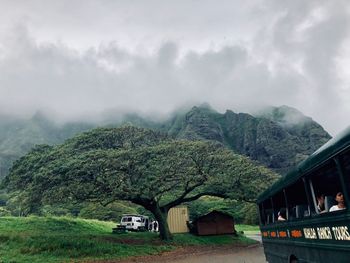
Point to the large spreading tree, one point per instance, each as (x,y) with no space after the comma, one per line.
(139,165)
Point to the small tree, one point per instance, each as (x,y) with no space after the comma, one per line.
(137,165)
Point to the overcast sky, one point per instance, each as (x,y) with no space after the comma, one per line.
(82,57)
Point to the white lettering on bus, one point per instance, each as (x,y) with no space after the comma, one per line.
(341,232)
(324,233)
(310,233)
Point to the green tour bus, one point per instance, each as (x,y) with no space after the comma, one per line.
(305,216)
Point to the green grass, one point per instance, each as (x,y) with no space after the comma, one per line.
(41,239)
(247,228)
(60,239)
(188,239)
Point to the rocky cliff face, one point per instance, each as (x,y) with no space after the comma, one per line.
(277,137)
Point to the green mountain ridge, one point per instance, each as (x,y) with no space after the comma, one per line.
(278,137)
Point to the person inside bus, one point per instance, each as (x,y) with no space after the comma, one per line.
(340,200)
(320,203)
(282,215)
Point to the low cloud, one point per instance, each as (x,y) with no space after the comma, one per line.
(293,59)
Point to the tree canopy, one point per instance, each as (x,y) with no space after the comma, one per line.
(143,166)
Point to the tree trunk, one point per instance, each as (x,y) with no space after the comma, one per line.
(161,216)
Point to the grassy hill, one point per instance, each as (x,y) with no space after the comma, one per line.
(40,239)
(61,239)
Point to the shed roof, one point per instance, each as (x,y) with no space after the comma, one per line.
(213,212)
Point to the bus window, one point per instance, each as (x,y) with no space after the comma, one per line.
(261,214)
(325,184)
(268,214)
(297,201)
(345,163)
(279,205)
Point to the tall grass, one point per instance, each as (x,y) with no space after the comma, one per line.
(42,239)
(62,239)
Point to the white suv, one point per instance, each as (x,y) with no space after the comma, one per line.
(135,222)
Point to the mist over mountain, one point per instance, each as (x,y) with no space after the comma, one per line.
(278,137)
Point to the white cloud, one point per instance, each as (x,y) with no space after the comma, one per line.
(85,57)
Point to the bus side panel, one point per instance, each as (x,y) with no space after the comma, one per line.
(278,252)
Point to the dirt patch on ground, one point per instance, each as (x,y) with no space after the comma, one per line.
(181,253)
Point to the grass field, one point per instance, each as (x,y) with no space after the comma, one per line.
(60,239)
(247,228)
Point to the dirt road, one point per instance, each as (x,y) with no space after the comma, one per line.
(252,254)
(208,254)
(226,254)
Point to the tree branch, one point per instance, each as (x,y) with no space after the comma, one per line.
(182,199)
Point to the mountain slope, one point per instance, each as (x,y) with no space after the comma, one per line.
(272,141)
(278,137)
(18,136)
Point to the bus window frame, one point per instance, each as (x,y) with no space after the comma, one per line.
(344,189)
(286,204)
(342,171)
(273,211)
(303,181)
(262,217)
(313,195)
(307,196)
(342,178)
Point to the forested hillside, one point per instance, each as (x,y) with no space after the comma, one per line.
(278,137)
(18,136)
